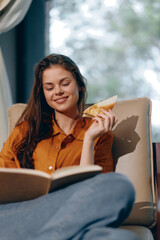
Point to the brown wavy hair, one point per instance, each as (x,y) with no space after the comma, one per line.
(38,113)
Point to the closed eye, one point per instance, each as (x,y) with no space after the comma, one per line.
(65,84)
(49,89)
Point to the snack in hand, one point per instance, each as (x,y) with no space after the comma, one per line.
(93,110)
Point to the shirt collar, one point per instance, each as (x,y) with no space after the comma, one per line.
(56,129)
(79,129)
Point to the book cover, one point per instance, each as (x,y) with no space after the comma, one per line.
(25,184)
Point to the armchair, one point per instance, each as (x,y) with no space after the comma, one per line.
(133,156)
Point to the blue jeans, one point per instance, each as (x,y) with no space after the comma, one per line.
(90,210)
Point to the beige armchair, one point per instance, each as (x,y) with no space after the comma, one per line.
(133,156)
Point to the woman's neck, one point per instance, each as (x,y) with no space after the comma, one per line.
(65,122)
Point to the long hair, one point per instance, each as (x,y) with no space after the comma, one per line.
(38,113)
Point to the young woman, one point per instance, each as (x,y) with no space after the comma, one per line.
(51,134)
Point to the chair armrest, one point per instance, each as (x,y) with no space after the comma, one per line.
(156,156)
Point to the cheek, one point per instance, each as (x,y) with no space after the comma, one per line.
(47,95)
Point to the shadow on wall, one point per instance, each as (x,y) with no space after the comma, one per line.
(125,138)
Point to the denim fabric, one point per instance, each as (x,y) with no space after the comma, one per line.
(89,210)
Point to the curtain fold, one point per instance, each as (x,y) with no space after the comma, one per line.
(5,101)
(12,13)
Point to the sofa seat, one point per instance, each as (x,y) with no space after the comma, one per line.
(144,233)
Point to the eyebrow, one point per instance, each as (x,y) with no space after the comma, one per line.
(47,83)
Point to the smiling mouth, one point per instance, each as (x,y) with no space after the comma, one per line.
(61,100)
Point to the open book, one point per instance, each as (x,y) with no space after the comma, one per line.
(24,184)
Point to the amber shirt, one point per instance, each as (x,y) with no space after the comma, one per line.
(60,150)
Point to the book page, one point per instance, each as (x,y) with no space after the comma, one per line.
(69,175)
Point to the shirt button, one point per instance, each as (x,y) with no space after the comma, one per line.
(50,167)
(57,147)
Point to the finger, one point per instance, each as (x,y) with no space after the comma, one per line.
(101,125)
(106,121)
(105,113)
(109,119)
(108,113)
(99,120)
(114,118)
(107,124)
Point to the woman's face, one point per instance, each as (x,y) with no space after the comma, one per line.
(61,90)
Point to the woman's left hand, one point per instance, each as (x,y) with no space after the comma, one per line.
(103,123)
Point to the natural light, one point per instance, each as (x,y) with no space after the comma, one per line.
(104,70)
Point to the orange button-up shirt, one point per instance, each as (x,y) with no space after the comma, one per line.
(60,150)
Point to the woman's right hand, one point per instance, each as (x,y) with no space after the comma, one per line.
(103,123)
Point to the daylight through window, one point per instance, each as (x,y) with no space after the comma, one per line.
(116,45)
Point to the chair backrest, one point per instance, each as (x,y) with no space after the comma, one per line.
(133,156)
(132,153)
(14,112)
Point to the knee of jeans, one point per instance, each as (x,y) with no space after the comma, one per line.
(120,184)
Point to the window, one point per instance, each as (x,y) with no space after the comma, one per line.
(116,45)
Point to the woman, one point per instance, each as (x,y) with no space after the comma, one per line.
(55,109)
(51,134)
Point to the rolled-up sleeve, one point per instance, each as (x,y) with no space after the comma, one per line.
(103,152)
(8,156)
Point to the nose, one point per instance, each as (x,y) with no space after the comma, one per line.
(58,90)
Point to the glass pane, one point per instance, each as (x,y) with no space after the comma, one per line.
(115,44)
